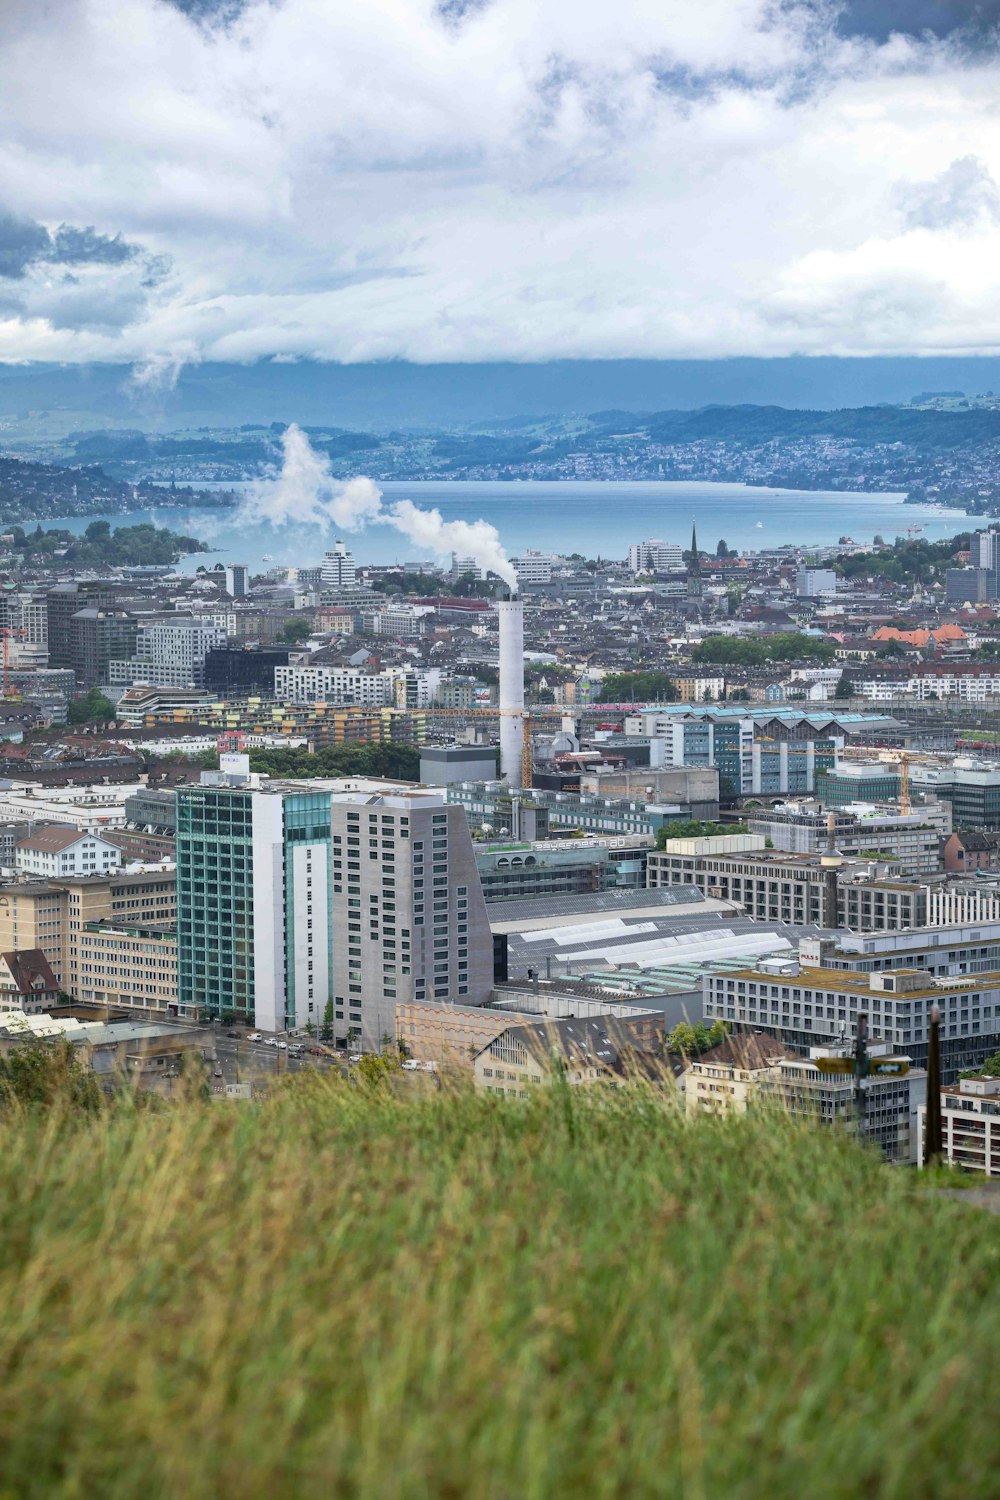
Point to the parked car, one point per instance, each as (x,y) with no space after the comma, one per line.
(411,1065)
(282,1045)
(317,1051)
(355,1057)
(255,1036)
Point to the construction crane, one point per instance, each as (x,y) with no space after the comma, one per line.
(896,755)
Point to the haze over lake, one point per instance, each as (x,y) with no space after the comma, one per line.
(591,517)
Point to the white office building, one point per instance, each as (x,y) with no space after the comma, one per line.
(810,583)
(534,567)
(338,570)
(655,557)
(169,653)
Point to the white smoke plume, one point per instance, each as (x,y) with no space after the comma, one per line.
(306,491)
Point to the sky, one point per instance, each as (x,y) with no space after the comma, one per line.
(193,181)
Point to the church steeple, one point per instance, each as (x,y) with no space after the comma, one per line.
(694,580)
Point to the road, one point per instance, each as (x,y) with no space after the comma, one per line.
(241,1060)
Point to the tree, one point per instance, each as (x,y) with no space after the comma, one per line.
(844,688)
(326,1033)
(92,708)
(740,695)
(295,631)
(48,1073)
(691,1040)
(375,1067)
(637,687)
(722,550)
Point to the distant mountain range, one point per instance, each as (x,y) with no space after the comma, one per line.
(396,395)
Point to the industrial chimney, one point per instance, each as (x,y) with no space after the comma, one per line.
(510,614)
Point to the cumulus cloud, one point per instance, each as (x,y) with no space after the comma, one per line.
(523,179)
(964,195)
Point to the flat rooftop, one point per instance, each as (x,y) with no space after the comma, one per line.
(555,911)
(848,983)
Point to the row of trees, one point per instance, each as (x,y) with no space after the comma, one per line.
(783,646)
(397,762)
(638,687)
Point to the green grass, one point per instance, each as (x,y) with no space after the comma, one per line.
(444,1295)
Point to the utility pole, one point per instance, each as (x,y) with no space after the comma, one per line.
(860,1070)
(933,1143)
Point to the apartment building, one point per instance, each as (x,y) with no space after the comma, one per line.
(534,568)
(806,1007)
(606,1050)
(890,1104)
(748,1066)
(51,914)
(97,637)
(341,685)
(970,1124)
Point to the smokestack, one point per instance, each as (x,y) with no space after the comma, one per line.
(510,614)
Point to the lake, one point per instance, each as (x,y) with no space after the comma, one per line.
(598,518)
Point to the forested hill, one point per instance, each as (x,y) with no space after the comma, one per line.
(915,426)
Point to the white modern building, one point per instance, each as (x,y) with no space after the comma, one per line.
(810,583)
(462,565)
(655,557)
(970,1124)
(57,851)
(534,567)
(169,653)
(338,570)
(348,685)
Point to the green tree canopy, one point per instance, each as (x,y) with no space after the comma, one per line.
(92,708)
(638,687)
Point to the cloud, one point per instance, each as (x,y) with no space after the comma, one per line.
(21,243)
(962,196)
(446,180)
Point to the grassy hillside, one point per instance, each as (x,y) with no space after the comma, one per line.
(334,1295)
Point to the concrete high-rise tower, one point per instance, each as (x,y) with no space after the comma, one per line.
(510,617)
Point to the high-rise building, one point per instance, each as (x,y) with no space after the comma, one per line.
(97,638)
(338,570)
(300,899)
(237,580)
(408,913)
(64,600)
